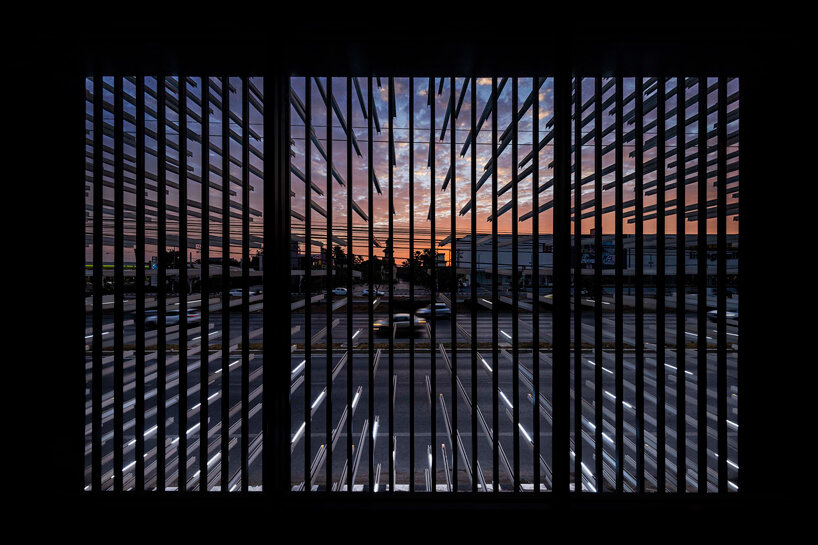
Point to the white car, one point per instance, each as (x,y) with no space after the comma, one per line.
(377,293)
(339,291)
(401,322)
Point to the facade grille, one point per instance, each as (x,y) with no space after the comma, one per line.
(469,284)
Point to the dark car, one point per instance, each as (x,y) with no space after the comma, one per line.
(441,311)
(194,316)
(239,292)
(713,315)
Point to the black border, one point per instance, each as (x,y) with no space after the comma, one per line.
(764,53)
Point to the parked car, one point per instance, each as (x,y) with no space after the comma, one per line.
(401,321)
(194,316)
(339,291)
(238,292)
(377,293)
(713,315)
(441,311)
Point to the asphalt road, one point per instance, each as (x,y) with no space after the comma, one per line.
(514,441)
(422,413)
(443,328)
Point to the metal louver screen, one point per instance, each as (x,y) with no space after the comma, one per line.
(174,251)
(578,238)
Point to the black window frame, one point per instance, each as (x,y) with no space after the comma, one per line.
(758,52)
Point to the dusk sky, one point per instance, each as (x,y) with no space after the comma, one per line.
(443,204)
(422,121)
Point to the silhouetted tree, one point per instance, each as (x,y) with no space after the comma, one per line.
(423,262)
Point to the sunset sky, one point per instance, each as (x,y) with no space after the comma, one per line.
(443,204)
(422,182)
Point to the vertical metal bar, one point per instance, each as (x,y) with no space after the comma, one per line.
(701,297)
(391,264)
(562,280)
(577,284)
(473,283)
(620,258)
(285,206)
(433,290)
(681,443)
(660,286)
(453,259)
(139,257)
(119,280)
(535,271)
(161,326)
(225,285)
(245,282)
(279,382)
(276,417)
(328,402)
(721,302)
(412,283)
(96,356)
(639,280)
(204,288)
(75,94)
(269,405)
(741,378)
(598,416)
(515,282)
(370,273)
(181,473)
(350,262)
(307,283)
(495,298)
